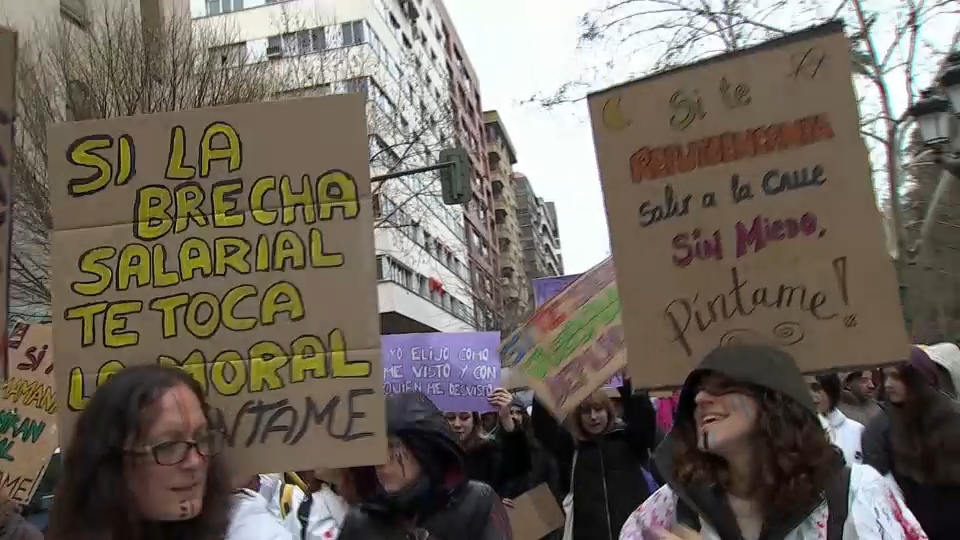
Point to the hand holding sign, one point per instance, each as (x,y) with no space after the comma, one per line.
(500,401)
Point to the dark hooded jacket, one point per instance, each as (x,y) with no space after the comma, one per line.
(608,478)
(499,458)
(931,491)
(543,468)
(768,368)
(442,504)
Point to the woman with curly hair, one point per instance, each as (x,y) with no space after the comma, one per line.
(748,458)
(917,441)
(143,464)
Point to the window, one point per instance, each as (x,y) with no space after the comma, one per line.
(353,33)
(232,55)
(381,155)
(381,262)
(422,285)
(216,7)
(358,85)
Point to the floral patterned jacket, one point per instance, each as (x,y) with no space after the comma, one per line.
(877,512)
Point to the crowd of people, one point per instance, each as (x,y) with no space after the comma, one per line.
(756,451)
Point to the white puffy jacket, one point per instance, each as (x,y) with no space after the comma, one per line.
(327,510)
(252,520)
(877,512)
(325,519)
(845,434)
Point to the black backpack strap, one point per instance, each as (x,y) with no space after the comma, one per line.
(838,504)
(687,517)
(303,514)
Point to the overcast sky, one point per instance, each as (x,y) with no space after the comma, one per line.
(519,47)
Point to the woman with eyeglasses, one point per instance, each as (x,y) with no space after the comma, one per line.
(143,463)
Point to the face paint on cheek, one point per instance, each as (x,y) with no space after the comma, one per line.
(397,455)
(745,407)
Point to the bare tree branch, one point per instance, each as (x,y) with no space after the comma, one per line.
(116,67)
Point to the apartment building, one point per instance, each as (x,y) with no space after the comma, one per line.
(394,52)
(539,231)
(516,290)
(479,220)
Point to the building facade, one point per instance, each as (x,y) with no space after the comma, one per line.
(394,52)
(539,231)
(478,217)
(515,286)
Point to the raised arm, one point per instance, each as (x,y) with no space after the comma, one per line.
(640,418)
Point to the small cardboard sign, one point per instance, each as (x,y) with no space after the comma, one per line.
(573,344)
(535,514)
(458,371)
(741,208)
(235,243)
(28,409)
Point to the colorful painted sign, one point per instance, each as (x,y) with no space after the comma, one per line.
(458,371)
(574,342)
(28,412)
(546,288)
(741,205)
(237,244)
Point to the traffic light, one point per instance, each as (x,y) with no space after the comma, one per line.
(455,179)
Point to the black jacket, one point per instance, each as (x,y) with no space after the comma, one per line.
(934,506)
(448,508)
(608,480)
(499,460)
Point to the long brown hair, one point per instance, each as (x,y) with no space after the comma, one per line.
(794,457)
(925,431)
(93,500)
(597,400)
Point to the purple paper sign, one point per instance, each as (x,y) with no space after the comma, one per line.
(458,371)
(546,288)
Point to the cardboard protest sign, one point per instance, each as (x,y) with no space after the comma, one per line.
(574,342)
(535,514)
(740,204)
(8,106)
(457,371)
(237,243)
(546,288)
(28,409)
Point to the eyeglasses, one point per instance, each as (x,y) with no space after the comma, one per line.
(175,452)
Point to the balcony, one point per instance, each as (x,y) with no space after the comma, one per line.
(76,11)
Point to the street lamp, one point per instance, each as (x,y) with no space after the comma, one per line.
(937,114)
(937,111)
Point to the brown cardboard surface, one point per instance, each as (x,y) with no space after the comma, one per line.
(28,408)
(681,146)
(573,344)
(269,301)
(8,105)
(535,514)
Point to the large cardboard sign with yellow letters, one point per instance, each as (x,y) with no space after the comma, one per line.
(237,243)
